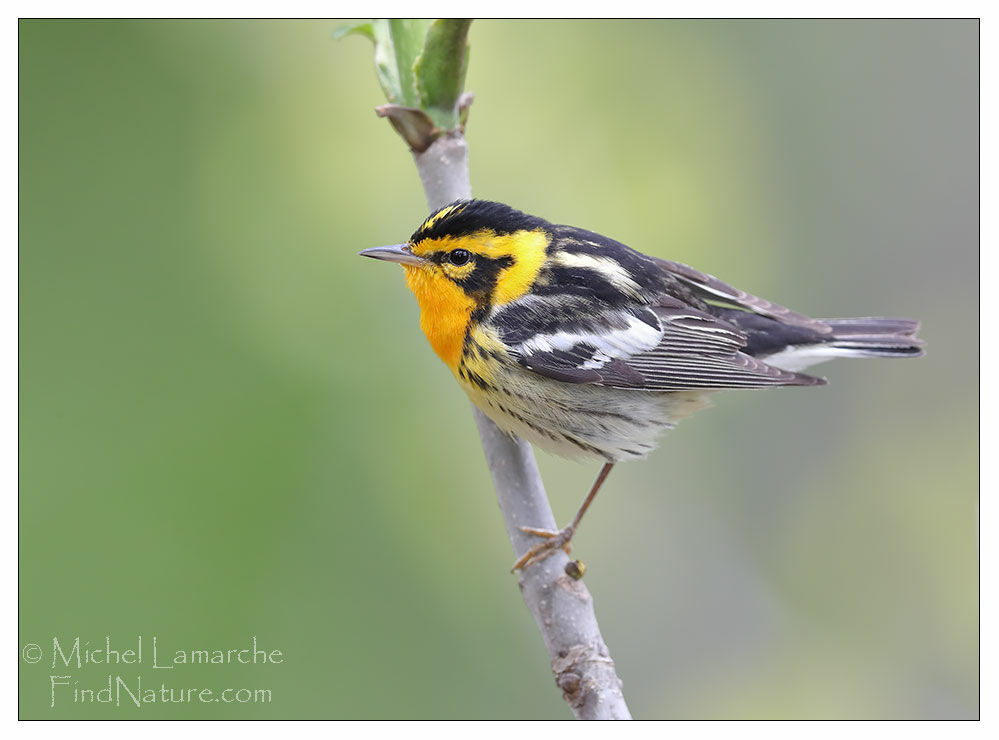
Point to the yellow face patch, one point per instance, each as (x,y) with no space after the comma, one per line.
(526,248)
(458,272)
(528,251)
(445,307)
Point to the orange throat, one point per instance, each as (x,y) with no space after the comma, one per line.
(445,312)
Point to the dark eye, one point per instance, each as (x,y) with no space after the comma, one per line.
(459,256)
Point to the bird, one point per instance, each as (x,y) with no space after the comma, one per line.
(590,349)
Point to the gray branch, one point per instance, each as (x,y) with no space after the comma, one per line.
(562,606)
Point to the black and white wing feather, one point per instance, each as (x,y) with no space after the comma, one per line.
(666,345)
(711,289)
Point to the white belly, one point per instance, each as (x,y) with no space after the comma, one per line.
(583,421)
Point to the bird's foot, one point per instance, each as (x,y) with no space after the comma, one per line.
(554,541)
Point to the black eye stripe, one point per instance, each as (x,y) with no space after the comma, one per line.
(482,278)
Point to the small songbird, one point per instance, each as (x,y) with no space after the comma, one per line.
(589,349)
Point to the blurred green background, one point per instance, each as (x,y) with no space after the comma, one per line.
(232,426)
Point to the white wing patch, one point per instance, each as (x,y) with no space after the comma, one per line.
(610,344)
(611,269)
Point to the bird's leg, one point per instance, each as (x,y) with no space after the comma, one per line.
(560,539)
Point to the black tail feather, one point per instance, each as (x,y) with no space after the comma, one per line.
(876,337)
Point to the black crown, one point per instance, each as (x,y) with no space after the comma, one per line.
(468,216)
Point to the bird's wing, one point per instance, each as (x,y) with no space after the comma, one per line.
(664,346)
(713,290)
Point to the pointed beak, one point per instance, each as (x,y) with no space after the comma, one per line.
(400,253)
